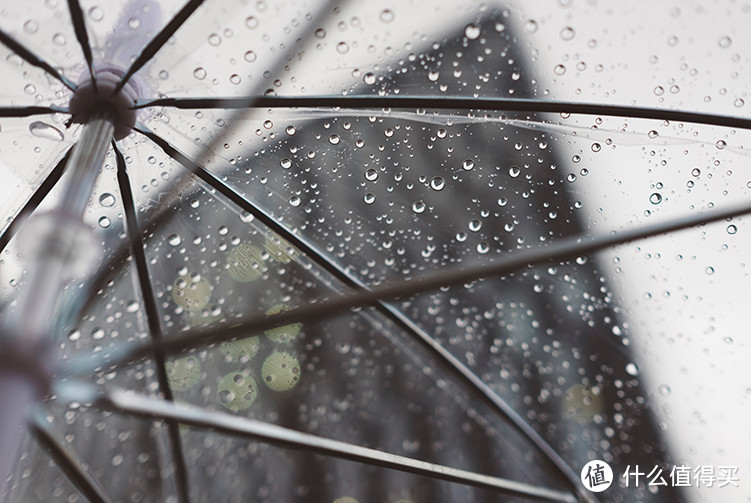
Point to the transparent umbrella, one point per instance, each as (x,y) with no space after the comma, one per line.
(364,252)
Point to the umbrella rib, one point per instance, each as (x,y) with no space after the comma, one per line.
(454,365)
(79,26)
(18,112)
(33,59)
(84,481)
(143,406)
(36,198)
(521,105)
(152,318)
(158,41)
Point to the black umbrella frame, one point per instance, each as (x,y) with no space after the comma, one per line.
(105,104)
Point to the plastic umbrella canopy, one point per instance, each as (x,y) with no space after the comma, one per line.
(382,252)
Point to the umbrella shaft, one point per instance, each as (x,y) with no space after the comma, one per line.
(16,394)
(86,161)
(25,330)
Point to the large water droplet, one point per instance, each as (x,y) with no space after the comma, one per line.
(44,130)
(437,183)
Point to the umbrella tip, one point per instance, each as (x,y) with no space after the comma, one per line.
(98,93)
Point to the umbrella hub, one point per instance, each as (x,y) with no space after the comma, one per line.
(99,94)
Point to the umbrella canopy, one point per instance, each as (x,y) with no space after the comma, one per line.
(353,251)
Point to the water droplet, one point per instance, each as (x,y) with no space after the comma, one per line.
(342,48)
(696,172)
(472,31)
(567,33)
(215,39)
(475,225)
(74,335)
(30,26)
(97,334)
(29,89)
(58,38)
(104,222)
(175,240)
(468,164)
(725,42)
(235,79)
(371,175)
(514,171)
(251,22)
(290,130)
(659,91)
(199,73)
(386,16)
(596,147)
(96,13)
(285,163)
(132,306)
(107,199)
(632,369)
(334,139)
(559,69)
(369,198)
(437,183)
(738,103)
(483,248)
(418,207)
(732,229)
(664,389)
(709,270)
(530,26)
(250,56)
(320,33)
(369,78)
(44,130)
(655,198)
(653,134)
(721,144)
(295,201)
